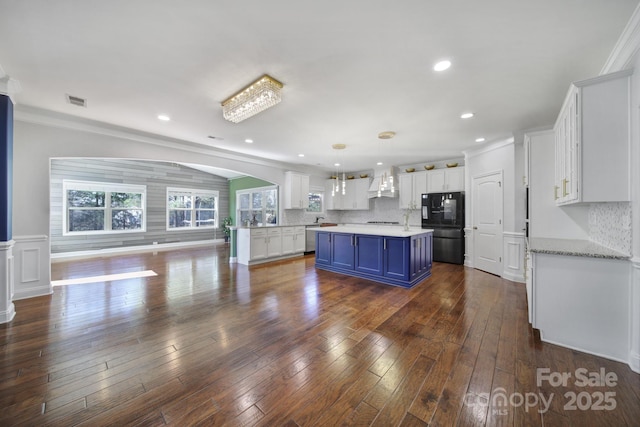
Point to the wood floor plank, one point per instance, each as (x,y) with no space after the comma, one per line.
(211,343)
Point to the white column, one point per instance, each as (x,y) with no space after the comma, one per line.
(7,309)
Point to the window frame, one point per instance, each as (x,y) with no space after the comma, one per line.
(264,208)
(193,192)
(320,192)
(107,188)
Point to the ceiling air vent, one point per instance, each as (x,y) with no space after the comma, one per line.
(77,101)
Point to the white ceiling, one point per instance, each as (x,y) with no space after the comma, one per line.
(350,69)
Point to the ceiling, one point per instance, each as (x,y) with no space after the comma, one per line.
(351,69)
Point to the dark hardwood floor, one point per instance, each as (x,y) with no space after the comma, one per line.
(284,344)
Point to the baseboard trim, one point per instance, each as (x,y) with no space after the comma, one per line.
(32,292)
(8,315)
(66,256)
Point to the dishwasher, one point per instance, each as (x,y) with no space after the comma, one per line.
(310,245)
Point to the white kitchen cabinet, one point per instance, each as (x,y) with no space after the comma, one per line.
(296,191)
(332,197)
(592,141)
(356,195)
(274,242)
(581,302)
(411,186)
(445,180)
(262,244)
(299,239)
(293,240)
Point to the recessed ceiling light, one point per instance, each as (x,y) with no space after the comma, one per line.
(379,163)
(466,115)
(479,139)
(249,141)
(442,65)
(336,164)
(164,117)
(300,155)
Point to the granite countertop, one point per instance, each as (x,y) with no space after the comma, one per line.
(390,231)
(571,247)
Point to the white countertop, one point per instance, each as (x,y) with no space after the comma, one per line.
(387,230)
(571,247)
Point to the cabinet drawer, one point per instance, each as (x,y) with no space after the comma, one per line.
(258,232)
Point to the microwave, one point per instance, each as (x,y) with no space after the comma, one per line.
(443,210)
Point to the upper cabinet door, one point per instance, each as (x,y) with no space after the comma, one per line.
(296,191)
(593,141)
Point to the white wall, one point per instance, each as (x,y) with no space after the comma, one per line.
(546,219)
(494,158)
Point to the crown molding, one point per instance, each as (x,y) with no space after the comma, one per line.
(54,119)
(491,147)
(626,47)
(8,86)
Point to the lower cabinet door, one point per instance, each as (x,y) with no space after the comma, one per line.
(323,248)
(369,254)
(342,250)
(396,257)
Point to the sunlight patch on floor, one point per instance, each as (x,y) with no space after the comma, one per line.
(105,278)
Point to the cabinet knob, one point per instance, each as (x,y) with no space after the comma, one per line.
(475,228)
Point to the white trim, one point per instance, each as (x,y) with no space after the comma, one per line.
(7,309)
(513,264)
(193,192)
(65,256)
(62,121)
(31,239)
(491,147)
(513,233)
(626,47)
(634,316)
(573,347)
(107,188)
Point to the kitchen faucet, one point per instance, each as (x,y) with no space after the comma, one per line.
(318,218)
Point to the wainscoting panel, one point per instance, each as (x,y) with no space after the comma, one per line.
(468,247)
(32,275)
(513,254)
(7,309)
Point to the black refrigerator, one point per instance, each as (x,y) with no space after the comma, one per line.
(444,213)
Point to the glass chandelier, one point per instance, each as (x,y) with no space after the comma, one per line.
(256,97)
(339,187)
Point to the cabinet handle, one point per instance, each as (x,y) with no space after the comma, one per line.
(564,187)
(555,192)
(353,239)
(384,244)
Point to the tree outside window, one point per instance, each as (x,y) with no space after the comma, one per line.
(257,206)
(95,207)
(187,208)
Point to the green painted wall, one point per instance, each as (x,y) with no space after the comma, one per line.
(242,184)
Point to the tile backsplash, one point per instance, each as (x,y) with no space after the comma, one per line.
(610,225)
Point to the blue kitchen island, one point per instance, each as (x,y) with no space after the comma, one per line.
(384,254)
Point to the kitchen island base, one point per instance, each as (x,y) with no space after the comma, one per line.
(393,257)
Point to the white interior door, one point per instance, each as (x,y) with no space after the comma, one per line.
(487,223)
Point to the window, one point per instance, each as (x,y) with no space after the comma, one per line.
(188,208)
(316,202)
(257,205)
(97,207)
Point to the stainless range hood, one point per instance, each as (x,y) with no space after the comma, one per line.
(378,187)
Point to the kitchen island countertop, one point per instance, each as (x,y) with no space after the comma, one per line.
(390,231)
